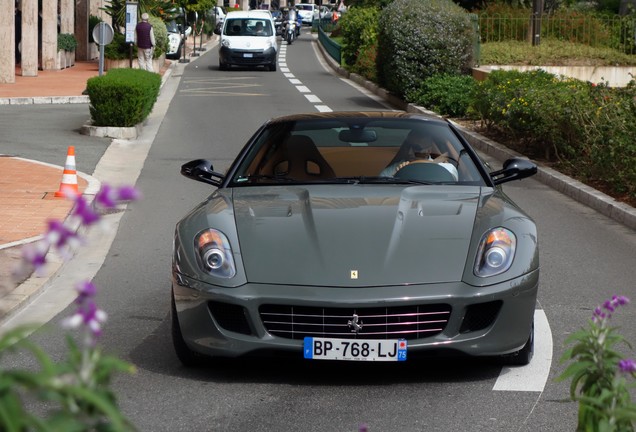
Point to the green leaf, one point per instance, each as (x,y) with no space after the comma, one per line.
(102,404)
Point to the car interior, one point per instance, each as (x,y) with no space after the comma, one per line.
(339,152)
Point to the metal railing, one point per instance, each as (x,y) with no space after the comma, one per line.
(332,48)
(611,32)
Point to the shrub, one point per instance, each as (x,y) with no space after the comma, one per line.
(93,21)
(535,108)
(122,97)
(576,27)
(446,94)
(161,36)
(421,38)
(118,49)
(359,29)
(66,42)
(610,150)
(587,129)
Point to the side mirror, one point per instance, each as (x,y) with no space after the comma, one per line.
(217,30)
(513,169)
(202,170)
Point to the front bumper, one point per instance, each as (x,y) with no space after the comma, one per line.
(477,321)
(245,57)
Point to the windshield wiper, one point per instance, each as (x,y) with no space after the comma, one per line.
(259,177)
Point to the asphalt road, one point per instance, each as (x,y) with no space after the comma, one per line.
(585,258)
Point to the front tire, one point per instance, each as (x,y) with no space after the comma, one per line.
(272,67)
(185,355)
(524,355)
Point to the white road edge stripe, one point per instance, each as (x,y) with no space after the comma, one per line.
(534,376)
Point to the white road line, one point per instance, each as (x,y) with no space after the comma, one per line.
(534,376)
(294,81)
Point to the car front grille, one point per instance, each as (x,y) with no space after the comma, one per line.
(408,322)
(239,57)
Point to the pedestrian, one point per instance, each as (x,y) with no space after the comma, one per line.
(145,39)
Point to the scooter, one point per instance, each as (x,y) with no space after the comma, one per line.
(290,31)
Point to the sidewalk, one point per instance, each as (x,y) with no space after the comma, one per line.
(27,187)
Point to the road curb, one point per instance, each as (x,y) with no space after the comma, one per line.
(604,204)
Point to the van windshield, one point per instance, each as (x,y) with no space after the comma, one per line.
(248,27)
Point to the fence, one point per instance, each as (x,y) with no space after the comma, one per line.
(610,32)
(332,48)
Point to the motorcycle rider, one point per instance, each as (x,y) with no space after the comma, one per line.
(292,15)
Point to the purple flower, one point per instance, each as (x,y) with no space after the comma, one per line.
(84,212)
(35,254)
(58,234)
(128,193)
(108,197)
(87,313)
(627,366)
(85,290)
(610,306)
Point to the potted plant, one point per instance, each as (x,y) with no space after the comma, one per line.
(66,45)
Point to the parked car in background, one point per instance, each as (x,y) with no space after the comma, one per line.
(325,12)
(218,13)
(176,38)
(356,236)
(308,12)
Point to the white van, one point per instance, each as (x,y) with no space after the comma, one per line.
(248,39)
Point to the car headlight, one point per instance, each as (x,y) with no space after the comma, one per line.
(214,253)
(225,43)
(496,252)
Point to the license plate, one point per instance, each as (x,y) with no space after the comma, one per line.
(355,349)
(248,55)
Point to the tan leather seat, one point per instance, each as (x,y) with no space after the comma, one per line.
(301,160)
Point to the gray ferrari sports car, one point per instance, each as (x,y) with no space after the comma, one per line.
(372,236)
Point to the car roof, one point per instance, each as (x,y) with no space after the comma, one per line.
(250,14)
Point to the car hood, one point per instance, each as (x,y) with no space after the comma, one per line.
(363,235)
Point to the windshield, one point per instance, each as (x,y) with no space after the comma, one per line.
(358,150)
(248,27)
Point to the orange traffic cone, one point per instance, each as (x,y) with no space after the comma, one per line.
(68,186)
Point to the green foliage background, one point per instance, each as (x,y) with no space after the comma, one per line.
(420,38)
